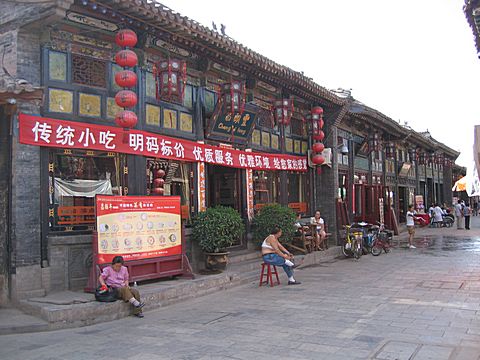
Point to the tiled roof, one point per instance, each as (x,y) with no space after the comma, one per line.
(473,18)
(191,33)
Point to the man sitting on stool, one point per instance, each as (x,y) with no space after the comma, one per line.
(274,253)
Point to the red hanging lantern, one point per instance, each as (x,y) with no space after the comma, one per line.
(159,173)
(318,159)
(158,191)
(315,119)
(283,111)
(373,142)
(440,159)
(422,158)
(233,96)
(159,182)
(126,79)
(171,79)
(126,58)
(126,119)
(126,38)
(319,136)
(126,99)
(318,147)
(390,151)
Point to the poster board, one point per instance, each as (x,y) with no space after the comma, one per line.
(138,227)
(419,205)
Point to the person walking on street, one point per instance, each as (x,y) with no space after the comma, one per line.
(411,226)
(437,216)
(475,208)
(466,214)
(459,214)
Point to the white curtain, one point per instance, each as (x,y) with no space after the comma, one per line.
(83,188)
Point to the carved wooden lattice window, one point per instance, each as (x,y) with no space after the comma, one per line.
(265,119)
(89,71)
(297,127)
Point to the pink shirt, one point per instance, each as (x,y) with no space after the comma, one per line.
(115,279)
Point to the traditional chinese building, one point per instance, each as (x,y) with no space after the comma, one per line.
(243,132)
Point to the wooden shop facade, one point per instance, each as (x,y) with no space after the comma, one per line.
(224,124)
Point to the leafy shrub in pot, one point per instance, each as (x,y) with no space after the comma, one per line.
(271,216)
(217,228)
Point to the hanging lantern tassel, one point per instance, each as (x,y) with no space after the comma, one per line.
(319,170)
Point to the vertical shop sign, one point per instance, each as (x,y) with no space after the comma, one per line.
(202,205)
(249,174)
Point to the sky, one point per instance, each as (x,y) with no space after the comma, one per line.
(413,60)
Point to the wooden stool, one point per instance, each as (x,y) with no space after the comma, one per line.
(268,275)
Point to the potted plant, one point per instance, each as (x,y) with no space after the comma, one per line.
(215,230)
(272,216)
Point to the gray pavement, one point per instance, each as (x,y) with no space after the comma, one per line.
(409,304)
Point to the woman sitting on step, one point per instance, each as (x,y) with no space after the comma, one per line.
(116,277)
(274,253)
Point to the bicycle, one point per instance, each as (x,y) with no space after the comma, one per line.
(353,243)
(381,240)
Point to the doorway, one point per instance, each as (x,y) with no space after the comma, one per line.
(225,188)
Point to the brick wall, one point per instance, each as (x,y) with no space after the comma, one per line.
(26,164)
(447,185)
(326,185)
(4,186)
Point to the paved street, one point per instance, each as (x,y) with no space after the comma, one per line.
(410,304)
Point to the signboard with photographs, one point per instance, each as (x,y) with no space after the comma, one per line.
(138,227)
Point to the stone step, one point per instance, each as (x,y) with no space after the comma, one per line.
(69,309)
(236,257)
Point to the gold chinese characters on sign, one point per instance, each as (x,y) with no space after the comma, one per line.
(297,146)
(169,119)
(152,113)
(89,105)
(57,66)
(289,144)
(256,137)
(275,144)
(60,101)
(265,139)
(112,108)
(186,122)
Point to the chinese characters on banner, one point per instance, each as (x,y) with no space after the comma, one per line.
(138,227)
(202,203)
(48,132)
(250,193)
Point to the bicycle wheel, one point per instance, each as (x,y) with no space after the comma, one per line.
(376,249)
(346,253)
(357,249)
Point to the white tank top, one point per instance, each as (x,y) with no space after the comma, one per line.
(265,245)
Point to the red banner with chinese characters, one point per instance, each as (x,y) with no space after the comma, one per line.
(138,227)
(41,131)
